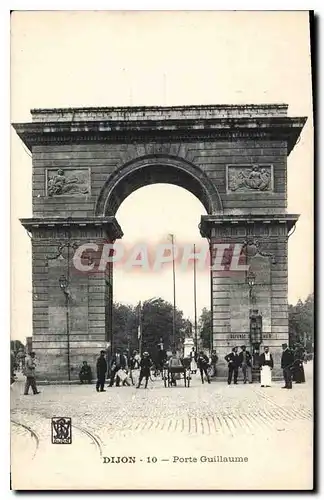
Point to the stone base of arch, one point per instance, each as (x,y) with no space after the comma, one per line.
(266,237)
(70,326)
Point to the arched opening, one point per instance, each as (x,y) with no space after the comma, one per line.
(148,216)
(156,170)
(161,188)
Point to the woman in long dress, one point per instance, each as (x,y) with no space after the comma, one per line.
(298,366)
(193,361)
(266,365)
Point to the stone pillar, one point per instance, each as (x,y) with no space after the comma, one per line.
(262,245)
(72,303)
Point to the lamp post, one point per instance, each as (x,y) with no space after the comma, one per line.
(63,282)
(256,336)
(251,282)
(255,321)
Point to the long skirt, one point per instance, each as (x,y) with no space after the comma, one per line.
(193,365)
(265,375)
(298,373)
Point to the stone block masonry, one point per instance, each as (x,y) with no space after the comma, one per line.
(86,161)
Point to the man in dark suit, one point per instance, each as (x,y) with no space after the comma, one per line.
(203,363)
(213,363)
(118,362)
(161,358)
(245,360)
(287,361)
(233,361)
(101,372)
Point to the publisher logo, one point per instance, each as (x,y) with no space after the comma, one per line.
(61,430)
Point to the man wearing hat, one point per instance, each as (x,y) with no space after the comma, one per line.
(145,366)
(287,361)
(245,360)
(29,372)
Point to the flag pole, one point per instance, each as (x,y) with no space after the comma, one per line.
(195,299)
(140,328)
(174,295)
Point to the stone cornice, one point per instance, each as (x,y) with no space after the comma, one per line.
(110,224)
(210,221)
(143,130)
(160,112)
(164,110)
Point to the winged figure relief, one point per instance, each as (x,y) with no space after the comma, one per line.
(255,179)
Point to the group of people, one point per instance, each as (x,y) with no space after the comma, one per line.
(291,364)
(243,360)
(200,361)
(123,367)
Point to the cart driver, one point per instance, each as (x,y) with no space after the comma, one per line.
(174,362)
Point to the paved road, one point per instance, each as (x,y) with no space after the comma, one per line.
(270,426)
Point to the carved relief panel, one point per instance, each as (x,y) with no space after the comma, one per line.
(249,178)
(67,182)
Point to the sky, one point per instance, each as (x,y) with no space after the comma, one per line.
(76,59)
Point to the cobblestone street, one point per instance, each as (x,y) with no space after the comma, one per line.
(270,426)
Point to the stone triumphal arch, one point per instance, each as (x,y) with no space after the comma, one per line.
(87,161)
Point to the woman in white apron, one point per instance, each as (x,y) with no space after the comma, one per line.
(266,365)
(193,363)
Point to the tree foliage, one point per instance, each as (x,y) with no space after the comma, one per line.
(301,322)
(16,345)
(124,327)
(156,321)
(205,327)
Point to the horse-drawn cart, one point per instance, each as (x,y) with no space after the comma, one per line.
(172,374)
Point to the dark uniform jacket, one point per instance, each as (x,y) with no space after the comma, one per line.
(214,359)
(145,365)
(86,371)
(263,361)
(233,360)
(287,358)
(202,361)
(101,365)
(248,358)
